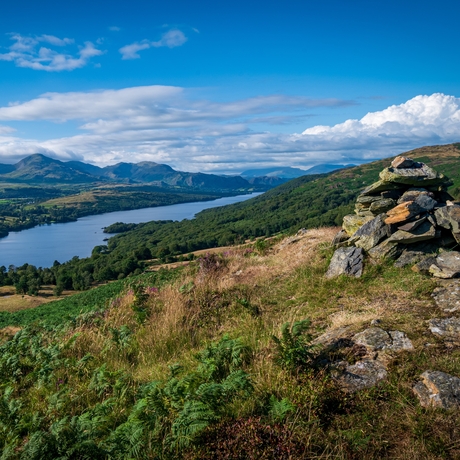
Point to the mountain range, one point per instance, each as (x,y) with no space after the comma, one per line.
(38,168)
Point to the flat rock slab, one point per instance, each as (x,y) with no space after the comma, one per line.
(448,217)
(425,231)
(371,233)
(386,250)
(403,162)
(346,261)
(364,374)
(417,176)
(403,212)
(331,337)
(447,296)
(446,328)
(376,339)
(438,389)
(413,193)
(447,265)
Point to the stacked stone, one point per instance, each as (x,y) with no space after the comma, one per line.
(407,210)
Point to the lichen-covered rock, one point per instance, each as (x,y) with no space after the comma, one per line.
(416,176)
(386,250)
(423,266)
(346,261)
(376,339)
(413,193)
(382,205)
(438,389)
(352,222)
(364,374)
(446,328)
(371,233)
(448,217)
(403,212)
(378,187)
(340,237)
(423,232)
(447,265)
(447,296)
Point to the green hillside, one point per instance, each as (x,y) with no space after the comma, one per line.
(306,202)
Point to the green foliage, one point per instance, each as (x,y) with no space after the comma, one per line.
(280,409)
(60,312)
(293,350)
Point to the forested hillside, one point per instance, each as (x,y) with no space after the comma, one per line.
(307,202)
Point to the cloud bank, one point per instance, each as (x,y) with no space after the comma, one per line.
(36,53)
(168,125)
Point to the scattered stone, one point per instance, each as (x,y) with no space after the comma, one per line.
(329,339)
(346,261)
(376,322)
(376,339)
(446,328)
(403,162)
(341,237)
(447,296)
(402,212)
(447,265)
(415,176)
(438,389)
(371,233)
(364,374)
(351,223)
(424,265)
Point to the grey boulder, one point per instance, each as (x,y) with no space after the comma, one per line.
(346,261)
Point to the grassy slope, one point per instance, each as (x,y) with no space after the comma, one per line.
(309,201)
(99,368)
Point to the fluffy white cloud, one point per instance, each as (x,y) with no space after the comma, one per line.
(167,125)
(170,39)
(28,52)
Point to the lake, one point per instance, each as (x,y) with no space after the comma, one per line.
(41,246)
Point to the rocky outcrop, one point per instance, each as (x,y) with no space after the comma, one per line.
(369,350)
(346,261)
(446,328)
(438,389)
(447,296)
(396,217)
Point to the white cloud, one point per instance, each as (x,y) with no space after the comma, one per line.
(170,39)
(131,51)
(27,52)
(168,125)
(114,28)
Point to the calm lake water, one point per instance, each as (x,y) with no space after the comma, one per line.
(41,246)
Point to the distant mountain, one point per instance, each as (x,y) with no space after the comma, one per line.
(41,169)
(291,173)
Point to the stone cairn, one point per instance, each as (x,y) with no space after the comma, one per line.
(407,216)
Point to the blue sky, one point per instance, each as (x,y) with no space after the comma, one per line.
(227,86)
